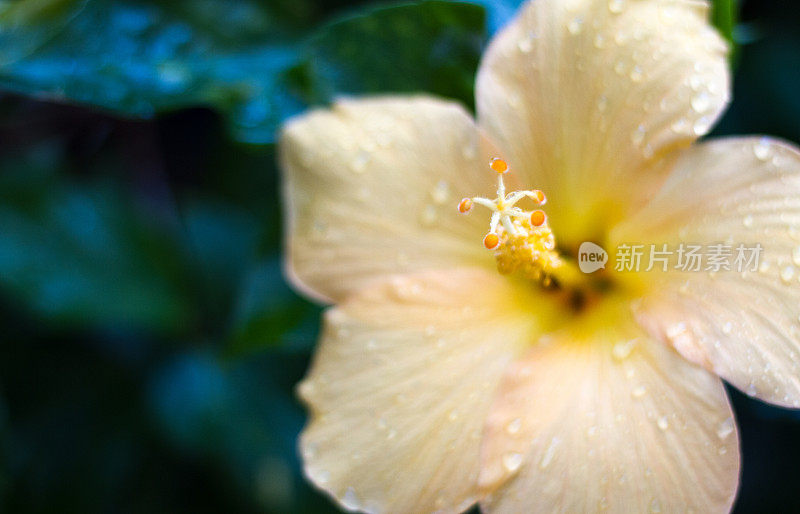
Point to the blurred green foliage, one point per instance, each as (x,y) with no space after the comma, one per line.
(248,59)
(150,344)
(251,60)
(78,252)
(137,58)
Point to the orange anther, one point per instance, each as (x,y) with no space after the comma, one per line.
(538,218)
(499,165)
(465,206)
(491,241)
(541,199)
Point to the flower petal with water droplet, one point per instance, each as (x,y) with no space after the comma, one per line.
(743,326)
(600,99)
(582,430)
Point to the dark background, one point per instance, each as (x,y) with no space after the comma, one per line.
(148,344)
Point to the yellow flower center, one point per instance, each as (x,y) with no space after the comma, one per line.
(521,240)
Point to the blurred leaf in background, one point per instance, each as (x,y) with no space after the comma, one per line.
(432,47)
(78,251)
(247,59)
(141,57)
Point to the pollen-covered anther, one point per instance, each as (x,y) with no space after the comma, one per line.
(531,251)
(538,218)
(499,166)
(521,240)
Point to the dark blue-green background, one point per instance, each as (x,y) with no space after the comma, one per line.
(148,343)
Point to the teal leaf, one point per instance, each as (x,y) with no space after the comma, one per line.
(137,59)
(239,413)
(80,253)
(140,58)
(427,47)
(267,313)
(499,12)
(24,26)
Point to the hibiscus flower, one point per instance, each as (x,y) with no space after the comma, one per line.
(466,358)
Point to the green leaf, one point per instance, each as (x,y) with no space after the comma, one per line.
(80,253)
(428,47)
(139,58)
(240,57)
(223,239)
(725,16)
(266,311)
(24,26)
(241,414)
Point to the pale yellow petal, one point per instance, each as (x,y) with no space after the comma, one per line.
(587,97)
(401,386)
(743,326)
(610,420)
(372,188)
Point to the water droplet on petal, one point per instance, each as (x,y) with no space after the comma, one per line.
(514,426)
(751,390)
(599,41)
(762,150)
(623,349)
(676,330)
(639,135)
(663,423)
(703,125)
(696,82)
(639,391)
(350,499)
(469,152)
(616,6)
(701,103)
(637,74)
(787,274)
(512,461)
(575,26)
(727,328)
(525,45)
(655,505)
(725,428)
(323,477)
(748,221)
(360,162)
(549,453)
(441,192)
